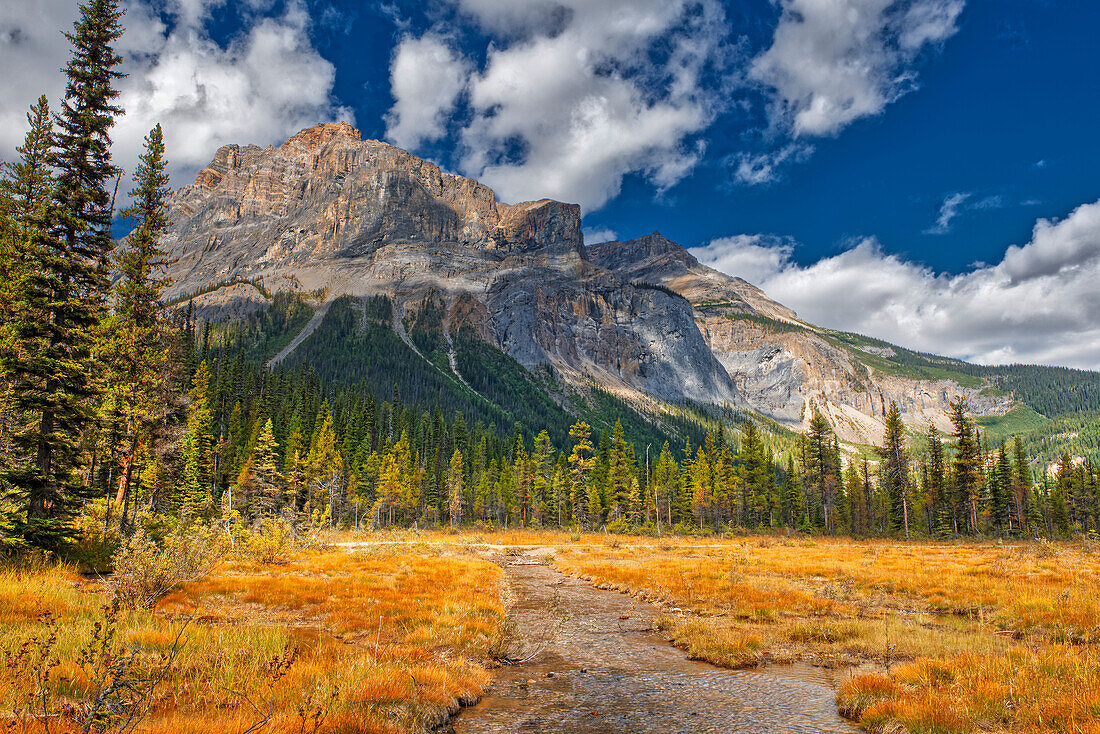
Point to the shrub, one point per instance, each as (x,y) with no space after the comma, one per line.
(145,573)
(272,542)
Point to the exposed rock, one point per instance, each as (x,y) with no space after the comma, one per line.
(659,261)
(234,301)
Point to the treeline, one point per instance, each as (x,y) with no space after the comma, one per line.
(1052,391)
(356,345)
(284,443)
(1077,435)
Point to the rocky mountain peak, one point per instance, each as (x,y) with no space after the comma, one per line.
(314,137)
(328,196)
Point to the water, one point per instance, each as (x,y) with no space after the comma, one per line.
(596,666)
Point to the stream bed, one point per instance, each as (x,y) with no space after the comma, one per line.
(591,663)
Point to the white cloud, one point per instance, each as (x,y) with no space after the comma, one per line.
(596,235)
(755,169)
(426,77)
(1070,247)
(265,84)
(753,257)
(954,205)
(949,209)
(832,62)
(569,98)
(1039,304)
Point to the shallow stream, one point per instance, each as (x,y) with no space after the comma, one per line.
(593,664)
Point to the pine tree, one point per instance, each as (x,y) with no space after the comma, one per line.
(940,516)
(137,339)
(322,468)
(895,470)
(966,468)
(44,363)
(197,482)
(822,466)
(754,476)
(793,499)
(259,487)
(73,282)
(580,466)
(505,493)
(618,475)
(27,215)
(1000,491)
(665,478)
(726,482)
(456,478)
(389,489)
(542,479)
(1023,501)
(84,165)
(700,486)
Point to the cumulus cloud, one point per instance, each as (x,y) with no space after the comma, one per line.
(1039,304)
(596,235)
(832,62)
(426,77)
(574,95)
(263,85)
(753,257)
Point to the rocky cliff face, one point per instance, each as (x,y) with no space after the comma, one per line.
(328,210)
(783,366)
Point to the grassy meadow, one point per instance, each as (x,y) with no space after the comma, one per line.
(391,632)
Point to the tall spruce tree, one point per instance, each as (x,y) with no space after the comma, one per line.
(196,486)
(821,466)
(84,168)
(47,345)
(1000,491)
(966,468)
(456,479)
(38,498)
(63,299)
(580,467)
(935,486)
(895,470)
(137,344)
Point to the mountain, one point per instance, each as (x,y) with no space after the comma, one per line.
(327,210)
(337,220)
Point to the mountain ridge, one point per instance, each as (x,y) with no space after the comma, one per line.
(328,211)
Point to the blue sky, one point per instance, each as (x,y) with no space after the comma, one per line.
(919,170)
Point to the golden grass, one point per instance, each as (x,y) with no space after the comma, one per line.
(988,637)
(391,637)
(388,641)
(1055,688)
